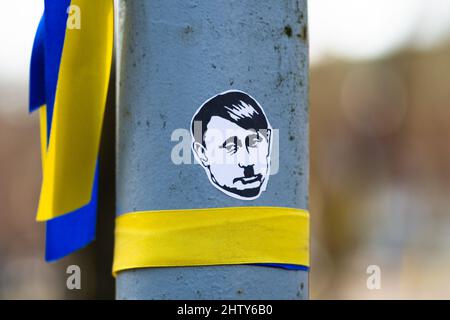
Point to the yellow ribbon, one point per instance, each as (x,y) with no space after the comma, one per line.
(216,236)
(83,78)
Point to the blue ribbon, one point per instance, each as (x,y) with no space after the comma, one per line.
(75,229)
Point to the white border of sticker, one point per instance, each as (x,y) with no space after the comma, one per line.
(266,180)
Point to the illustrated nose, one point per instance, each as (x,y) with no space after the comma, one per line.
(246,162)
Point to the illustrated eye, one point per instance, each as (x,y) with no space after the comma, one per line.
(231,145)
(253,140)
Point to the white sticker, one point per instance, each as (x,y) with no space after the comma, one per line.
(232,140)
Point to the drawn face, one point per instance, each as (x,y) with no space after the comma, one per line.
(235,159)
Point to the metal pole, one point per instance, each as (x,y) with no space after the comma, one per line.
(174,54)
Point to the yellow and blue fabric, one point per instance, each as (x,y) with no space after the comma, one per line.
(68,84)
(69,77)
(267,236)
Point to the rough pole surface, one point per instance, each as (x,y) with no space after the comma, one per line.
(172,56)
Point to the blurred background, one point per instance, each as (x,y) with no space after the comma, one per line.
(380,156)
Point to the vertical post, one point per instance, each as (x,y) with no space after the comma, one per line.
(173,55)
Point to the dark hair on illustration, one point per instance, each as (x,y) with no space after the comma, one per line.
(235,106)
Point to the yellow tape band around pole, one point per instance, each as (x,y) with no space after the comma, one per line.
(213,236)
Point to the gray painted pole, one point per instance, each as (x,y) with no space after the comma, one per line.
(172,56)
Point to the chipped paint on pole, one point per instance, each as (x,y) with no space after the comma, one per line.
(172,56)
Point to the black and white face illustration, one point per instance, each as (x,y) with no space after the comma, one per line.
(232,141)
